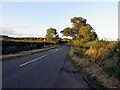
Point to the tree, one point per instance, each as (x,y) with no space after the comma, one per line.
(86,33)
(77,23)
(80,31)
(68,32)
(51,34)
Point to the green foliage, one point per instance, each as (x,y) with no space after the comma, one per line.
(86,56)
(9,47)
(86,34)
(68,32)
(110,67)
(79,52)
(76,43)
(51,34)
(80,31)
(94,44)
(66,40)
(16,45)
(78,22)
(110,58)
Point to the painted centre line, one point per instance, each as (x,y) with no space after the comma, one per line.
(32,60)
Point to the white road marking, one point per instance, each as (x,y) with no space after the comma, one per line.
(32,60)
(55,50)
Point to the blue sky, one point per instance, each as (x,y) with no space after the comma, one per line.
(34,18)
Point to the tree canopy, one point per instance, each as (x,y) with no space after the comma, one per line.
(51,34)
(80,30)
(78,22)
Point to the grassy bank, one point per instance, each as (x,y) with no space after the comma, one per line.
(93,72)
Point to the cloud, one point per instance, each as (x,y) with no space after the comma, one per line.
(6,30)
(16,30)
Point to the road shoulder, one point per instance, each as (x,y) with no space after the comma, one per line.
(68,77)
(93,73)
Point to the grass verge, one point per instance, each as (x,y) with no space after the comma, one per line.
(93,82)
(93,73)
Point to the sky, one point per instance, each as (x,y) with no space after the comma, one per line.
(32,19)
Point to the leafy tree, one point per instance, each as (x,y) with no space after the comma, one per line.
(68,32)
(80,31)
(78,22)
(51,34)
(86,34)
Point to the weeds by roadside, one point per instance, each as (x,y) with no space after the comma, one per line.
(93,72)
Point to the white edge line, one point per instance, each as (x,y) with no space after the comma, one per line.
(32,60)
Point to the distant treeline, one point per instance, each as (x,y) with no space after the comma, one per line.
(33,39)
(22,39)
(12,45)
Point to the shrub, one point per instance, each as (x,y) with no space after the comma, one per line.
(93,44)
(110,58)
(79,52)
(104,53)
(76,43)
(93,53)
(112,68)
(86,56)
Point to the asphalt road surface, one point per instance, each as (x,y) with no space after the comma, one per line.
(48,69)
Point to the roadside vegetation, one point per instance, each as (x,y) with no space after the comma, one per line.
(12,45)
(98,59)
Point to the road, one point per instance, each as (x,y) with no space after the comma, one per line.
(48,69)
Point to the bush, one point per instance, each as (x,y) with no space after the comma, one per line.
(76,43)
(105,53)
(9,47)
(93,44)
(86,56)
(110,58)
(112,68)
(79,52)
(93,53)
